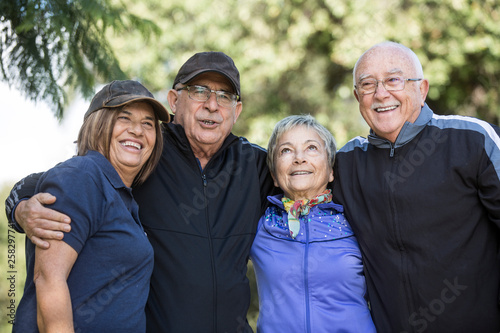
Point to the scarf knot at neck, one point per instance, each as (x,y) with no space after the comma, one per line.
(302,207)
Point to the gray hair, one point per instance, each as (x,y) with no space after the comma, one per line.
(416,62)
(291,122)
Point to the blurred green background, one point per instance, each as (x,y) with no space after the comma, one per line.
(294,56)
(11,290)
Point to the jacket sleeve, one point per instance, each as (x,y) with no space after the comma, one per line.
(23,189)
(266,181)
(489,176)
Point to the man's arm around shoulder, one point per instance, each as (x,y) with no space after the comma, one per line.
(25,211)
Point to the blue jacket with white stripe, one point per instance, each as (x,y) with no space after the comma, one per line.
(426,213)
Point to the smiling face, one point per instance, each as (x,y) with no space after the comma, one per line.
(206,124)
(301,164)
(387,111)
(132,140)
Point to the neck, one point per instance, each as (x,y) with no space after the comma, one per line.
(127,174)
(302,195)
(126,179)
(204,154)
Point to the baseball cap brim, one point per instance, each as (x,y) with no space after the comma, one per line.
(158,108)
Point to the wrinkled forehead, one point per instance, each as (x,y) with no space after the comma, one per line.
(385,60)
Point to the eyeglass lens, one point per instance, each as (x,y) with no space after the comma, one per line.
(392,83)
(202,94)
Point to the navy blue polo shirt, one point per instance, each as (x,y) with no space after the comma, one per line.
(109,282)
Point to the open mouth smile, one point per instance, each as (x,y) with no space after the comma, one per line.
(131,144)
(298,173)
(387,108)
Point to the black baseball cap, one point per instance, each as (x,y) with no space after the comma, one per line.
(209,62)
(119,93)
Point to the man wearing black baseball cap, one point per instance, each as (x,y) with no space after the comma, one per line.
(204,62)
(200,207)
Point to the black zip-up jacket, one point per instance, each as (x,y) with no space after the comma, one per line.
(426,213)
(201,225)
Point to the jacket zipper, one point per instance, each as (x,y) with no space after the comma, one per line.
(212,261)
(306,275)
(405,277)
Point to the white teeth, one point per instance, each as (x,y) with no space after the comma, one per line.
(385,109)
(208,122)
(132,144)
(300,173)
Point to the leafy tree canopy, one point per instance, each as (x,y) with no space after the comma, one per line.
(49,47)
(297,56)
(294,56)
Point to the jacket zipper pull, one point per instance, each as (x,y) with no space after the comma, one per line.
(392,151)
(204,180)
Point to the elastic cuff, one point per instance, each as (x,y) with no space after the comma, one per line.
(12,222)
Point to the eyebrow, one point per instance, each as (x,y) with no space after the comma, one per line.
(130,113)
(395,71)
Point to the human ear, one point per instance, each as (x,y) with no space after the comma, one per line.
(237,111)
(172,97)
(424,89)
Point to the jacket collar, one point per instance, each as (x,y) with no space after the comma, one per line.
(408,131)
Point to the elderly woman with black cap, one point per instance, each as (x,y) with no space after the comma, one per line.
(306,258)
(97,278)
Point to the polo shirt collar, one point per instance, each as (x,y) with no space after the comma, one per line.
(107,169)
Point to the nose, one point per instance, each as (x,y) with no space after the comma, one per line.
(299,157)
(135,128)
(380,89)
(211,102)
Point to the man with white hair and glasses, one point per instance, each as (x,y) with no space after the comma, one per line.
(422,193)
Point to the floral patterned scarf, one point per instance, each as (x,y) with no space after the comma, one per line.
(302,207)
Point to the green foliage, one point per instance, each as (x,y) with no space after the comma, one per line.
(462,47)
(253,310)
(48,48)
(294,56)
(297,56)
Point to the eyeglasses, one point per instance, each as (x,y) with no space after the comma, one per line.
(391,83)
(202,94)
